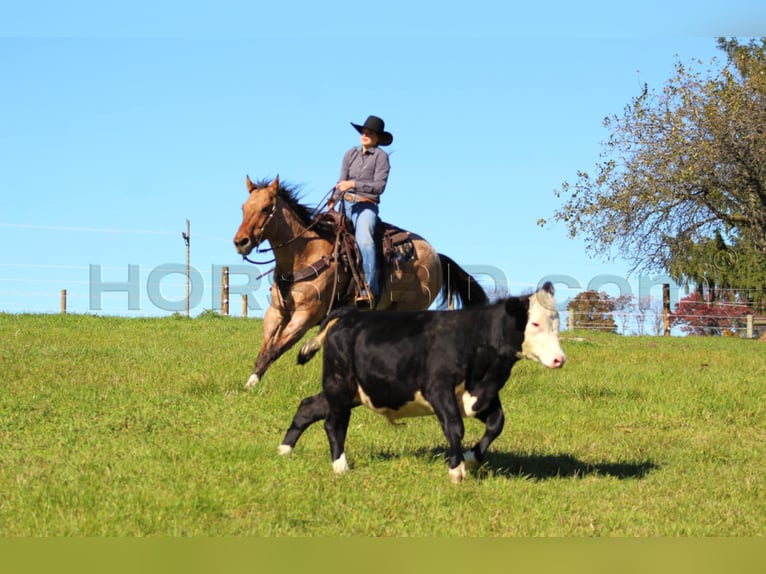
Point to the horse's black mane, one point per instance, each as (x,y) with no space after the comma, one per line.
(290,194)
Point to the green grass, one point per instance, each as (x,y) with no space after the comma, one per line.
(141,427)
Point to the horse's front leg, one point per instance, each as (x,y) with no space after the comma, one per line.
(274,321)
(282,341)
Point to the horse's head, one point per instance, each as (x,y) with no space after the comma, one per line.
(257,213)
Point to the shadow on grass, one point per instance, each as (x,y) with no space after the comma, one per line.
(545,466)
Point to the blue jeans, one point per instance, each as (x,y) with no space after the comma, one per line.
(364,215)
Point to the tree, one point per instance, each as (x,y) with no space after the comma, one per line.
(714,267)
(651,305)
(642,309)
(682,173)
(697,316)
(624,308)
(592,310)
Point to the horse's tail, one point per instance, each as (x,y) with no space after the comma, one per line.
(312,346)
(459,284)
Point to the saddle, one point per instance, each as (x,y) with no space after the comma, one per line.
(394,246)
(397,246)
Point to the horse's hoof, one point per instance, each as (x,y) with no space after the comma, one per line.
(252,381)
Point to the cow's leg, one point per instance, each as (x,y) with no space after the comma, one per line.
(336,425)
(449,416)
(494,419)
(311,410)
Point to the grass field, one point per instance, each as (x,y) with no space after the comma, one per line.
(141,427)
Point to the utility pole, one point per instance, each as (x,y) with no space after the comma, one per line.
(187,239)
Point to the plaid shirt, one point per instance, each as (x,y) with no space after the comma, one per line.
(368,169)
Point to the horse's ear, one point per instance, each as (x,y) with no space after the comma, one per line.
(250,185)
(275,183)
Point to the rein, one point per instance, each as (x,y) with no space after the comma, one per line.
(314,221)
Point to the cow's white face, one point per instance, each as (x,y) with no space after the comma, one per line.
(541,335)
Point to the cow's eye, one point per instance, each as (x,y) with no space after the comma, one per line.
(535,324)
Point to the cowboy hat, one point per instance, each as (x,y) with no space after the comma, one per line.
(375,124)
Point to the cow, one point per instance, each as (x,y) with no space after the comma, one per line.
(451,364)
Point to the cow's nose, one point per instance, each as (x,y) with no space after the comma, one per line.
(558,361)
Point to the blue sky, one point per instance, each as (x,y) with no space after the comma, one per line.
(119,121)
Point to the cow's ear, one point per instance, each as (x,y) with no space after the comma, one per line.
(518,308)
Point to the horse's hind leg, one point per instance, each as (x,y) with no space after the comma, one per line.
(311,410)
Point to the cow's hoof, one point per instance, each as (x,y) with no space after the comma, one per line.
(457,474)
(252,381)
(470,460)
(340,466)
(284,449)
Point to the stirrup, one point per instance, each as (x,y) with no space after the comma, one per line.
(364,301)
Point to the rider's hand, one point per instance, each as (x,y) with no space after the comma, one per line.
(345,185)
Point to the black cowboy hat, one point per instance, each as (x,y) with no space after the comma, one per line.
(375,124)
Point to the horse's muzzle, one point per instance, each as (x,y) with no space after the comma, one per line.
(244,245)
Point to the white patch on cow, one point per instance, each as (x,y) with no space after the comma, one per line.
(541,334)
(457,474)
(418,407)
(466,401)
(284,449)
(339,465)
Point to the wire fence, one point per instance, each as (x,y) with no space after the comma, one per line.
(122,291)
(750,324)
(131,290)
(62,279)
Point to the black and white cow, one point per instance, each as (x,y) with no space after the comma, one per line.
(451,364)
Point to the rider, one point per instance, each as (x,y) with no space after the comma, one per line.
(363,177)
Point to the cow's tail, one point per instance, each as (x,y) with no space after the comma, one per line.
(310,347)
(460,285)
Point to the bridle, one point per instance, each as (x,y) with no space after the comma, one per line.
(342,249)
(259,238)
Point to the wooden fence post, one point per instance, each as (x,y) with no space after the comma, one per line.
(224,291)
(244,304)
(750,326)
(570,319)
(63,301)
(666,307)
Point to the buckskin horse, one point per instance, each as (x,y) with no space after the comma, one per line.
(311,277)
